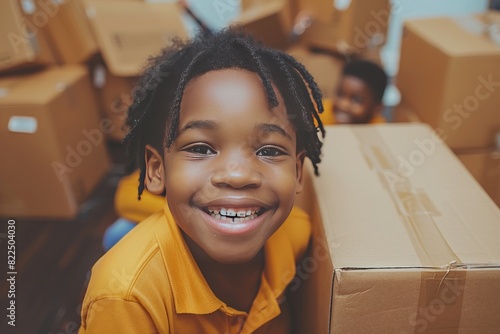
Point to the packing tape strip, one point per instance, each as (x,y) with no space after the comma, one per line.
(413,205)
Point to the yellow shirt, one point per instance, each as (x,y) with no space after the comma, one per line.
(328,116)
(150,283)
(128,206)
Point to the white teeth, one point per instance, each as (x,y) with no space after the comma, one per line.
(232,216)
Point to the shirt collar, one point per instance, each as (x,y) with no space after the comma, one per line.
(190,290)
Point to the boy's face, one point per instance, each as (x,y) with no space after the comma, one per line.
(232,156)
(354,102)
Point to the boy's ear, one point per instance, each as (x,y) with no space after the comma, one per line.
(154,178)
(299,166)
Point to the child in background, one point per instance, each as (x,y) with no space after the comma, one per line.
(359,95)
(221,126)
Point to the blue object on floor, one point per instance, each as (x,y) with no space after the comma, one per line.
(116,231)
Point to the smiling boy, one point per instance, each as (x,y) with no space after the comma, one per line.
(224,135)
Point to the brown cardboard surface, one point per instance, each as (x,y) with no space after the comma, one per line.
(69,31)
(326,69)
(361,25)
(450,75)
(484,165)
(403,113)
(269,21)
(23,40)
(404,239)
(114,95)
(53,138)
(130,33)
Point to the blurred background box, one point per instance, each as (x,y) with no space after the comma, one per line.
(484,165)
(325,68)
(69,31)
(346,27)
(400,230)
(269,21)
(129,33)
(23,35)
(403,113)
(115,96)
(450,74)
(52,143)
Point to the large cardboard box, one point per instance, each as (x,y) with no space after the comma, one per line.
(23,35)
(69,31)
(346,27)
(484,165)
(52,143)
(269,21)
(129,33)
(450,74)
(404,239)
(325,68)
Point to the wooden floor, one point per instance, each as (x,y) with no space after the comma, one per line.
(54,261)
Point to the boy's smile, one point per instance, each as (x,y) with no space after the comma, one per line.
(233,171)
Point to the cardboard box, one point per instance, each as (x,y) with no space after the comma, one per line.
(126,47)
(450,74)
(403,113)
(326,69)
(404,239)
(23,36)
(484,165)
(52,142)
(346,27)
(269,21)
(69,31)
(115,96)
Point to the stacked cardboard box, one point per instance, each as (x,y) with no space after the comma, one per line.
(345,27)
(53,145)
(125,49)
(404,239)
(23,38)
(450,75)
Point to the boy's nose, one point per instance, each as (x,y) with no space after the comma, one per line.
(237,175)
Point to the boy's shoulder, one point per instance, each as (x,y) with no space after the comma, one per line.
(121,271)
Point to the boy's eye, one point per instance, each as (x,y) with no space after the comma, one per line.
(270,152)
(200,149)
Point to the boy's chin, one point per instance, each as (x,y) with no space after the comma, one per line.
(235,258)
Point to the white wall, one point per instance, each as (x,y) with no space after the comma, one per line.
(406,9)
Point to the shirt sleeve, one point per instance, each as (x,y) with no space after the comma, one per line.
(116,315)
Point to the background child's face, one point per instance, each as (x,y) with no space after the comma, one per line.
(232,154)
(354,102)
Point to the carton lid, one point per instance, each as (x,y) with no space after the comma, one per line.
(129,33)
(40,87)
(394,196)
(464,36)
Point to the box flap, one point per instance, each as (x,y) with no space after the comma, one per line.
(395,196)
(40,87)
(459,36)
(130,33)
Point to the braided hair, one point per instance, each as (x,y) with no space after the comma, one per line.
(153,117)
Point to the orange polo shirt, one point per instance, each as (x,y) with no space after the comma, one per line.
(150,283)
(328,116)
